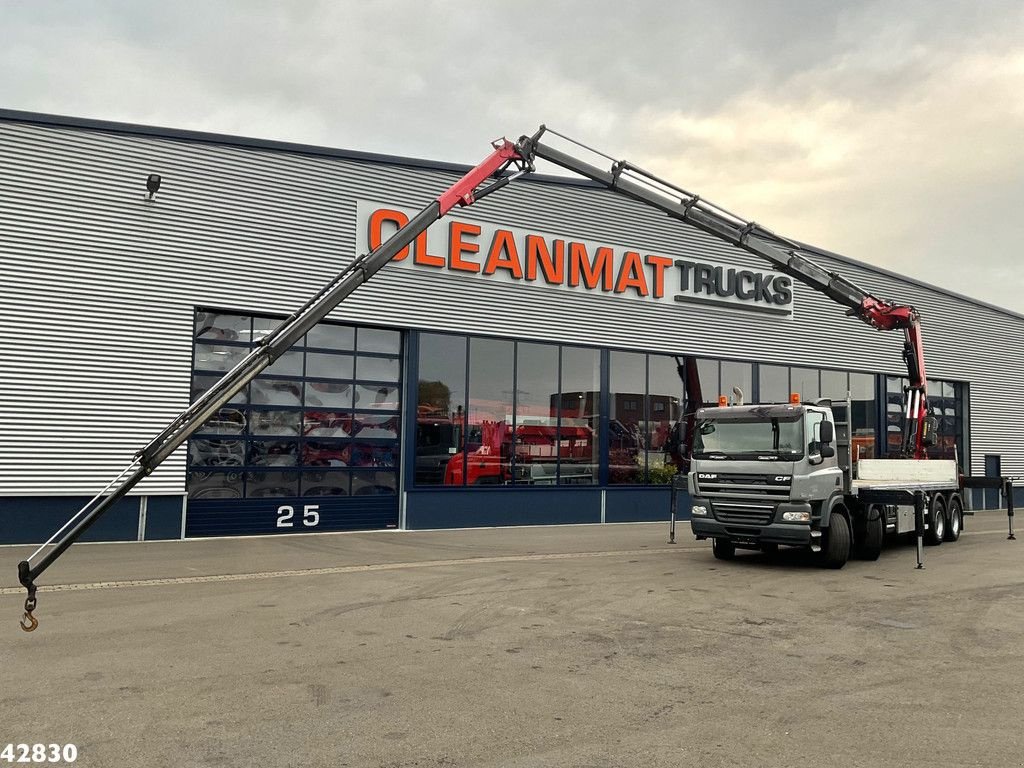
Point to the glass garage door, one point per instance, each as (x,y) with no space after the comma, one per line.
(312,444)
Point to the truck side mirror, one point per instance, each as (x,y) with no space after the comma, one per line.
(828,433)
(827,451)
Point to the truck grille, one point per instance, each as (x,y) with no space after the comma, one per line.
(743,514)
(717,485)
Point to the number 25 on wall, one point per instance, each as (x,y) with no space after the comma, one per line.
(310,516)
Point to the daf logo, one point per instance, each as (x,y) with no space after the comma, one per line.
(704,476)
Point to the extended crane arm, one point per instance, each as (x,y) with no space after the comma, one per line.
(785,255)
(464,192)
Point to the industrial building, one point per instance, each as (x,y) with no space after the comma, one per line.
(516,365)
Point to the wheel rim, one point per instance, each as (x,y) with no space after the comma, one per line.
(939,521)
(954,521)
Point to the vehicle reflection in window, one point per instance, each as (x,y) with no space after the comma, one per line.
(220,327)
(371,426)
(273,453)
(374,484)
(215,485)
(280,423)
(328,483)
(226,421)
(326,366)
(216,453)
(377,397)
(261,485)
(327,424)
(276,392)
(329,394)
(202,383)
(326,453)
(218,357)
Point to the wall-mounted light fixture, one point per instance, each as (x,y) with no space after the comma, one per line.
(152,185)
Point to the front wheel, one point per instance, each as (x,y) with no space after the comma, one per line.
(836,551)
(723,549)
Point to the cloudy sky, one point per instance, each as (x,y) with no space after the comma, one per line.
(892,132)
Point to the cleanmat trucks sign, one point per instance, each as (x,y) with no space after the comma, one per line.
(513,255)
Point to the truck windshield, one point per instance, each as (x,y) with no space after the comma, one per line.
(763,437)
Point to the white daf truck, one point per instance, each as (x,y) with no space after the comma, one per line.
(764,476)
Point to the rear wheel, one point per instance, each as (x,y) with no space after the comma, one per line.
(871,534)
(836,551)
(955,518)
(937,524)
(723,549)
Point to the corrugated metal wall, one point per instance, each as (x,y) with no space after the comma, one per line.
(98,289)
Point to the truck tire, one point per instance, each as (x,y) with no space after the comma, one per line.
(936,521)
(723,549)
(954,518)
(871,533)
(836,551)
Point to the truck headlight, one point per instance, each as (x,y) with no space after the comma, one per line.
(699,510)
(796,517)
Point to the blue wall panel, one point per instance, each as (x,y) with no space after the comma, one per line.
(474,507)
(235,517)
(33,519)
(163,517)
(642,505)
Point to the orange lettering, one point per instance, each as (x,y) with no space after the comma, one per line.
(457,246)
(376,226)
(595,275)
(552,267)
(631,274)
(503,243)
(422,257)
(659,263)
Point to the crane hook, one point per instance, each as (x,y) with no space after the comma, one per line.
(28,621)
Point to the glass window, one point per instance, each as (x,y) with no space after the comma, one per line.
(288,364)
(377,426)
(273,484)
(440,410)
(894,415)
(320,365)
(227,421)
(202,383)
(578,416)
(328,394)
(737,376)
(626,446)
(804,381)
(379,340)
(276,392)
(664,406)
(218,357)
(535,459)
(374,484)
(377,397)
(707,370)
(215,326)
(215,485)
(326,483)
(273,453)
(214,452)
(323,423)
(276,422)
(773,383)
(489,420)
(378,368)
(329,336)
(864,420)
(834,385)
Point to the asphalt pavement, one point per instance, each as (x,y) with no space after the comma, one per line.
(555,646)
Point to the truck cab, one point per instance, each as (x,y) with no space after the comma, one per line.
(765,475)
